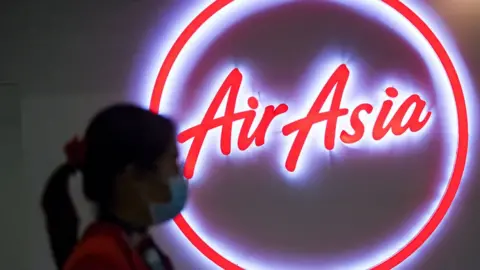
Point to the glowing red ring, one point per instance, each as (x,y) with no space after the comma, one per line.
(462,149)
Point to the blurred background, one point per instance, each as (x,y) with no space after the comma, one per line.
(61,61)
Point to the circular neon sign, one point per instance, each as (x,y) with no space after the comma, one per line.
(461,152)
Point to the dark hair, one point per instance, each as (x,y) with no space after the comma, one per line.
(120,135)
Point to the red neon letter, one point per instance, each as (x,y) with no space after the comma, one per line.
(337,82)
(230,86)
(244,141)
(357,124)
(414,123)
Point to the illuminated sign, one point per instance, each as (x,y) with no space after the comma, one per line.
(400,123)
(410,114)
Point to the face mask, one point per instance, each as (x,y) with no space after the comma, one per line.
(162,212)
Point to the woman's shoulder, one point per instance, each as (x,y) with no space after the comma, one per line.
(99,248)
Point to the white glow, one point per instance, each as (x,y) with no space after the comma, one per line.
(372,8)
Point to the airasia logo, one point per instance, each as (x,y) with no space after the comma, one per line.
(228,92)
(400,124)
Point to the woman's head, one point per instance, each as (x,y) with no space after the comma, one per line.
(128,159)
(130,154)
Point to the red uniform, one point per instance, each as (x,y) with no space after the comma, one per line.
(105,247)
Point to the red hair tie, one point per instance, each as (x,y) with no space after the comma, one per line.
(75,152)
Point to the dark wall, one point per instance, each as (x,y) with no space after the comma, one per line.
(348,204)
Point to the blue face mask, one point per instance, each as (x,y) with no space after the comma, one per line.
(162,212)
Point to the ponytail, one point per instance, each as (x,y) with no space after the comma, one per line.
(60,214)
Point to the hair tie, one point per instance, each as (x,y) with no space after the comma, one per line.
(75,152)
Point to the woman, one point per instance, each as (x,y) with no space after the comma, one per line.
(128,160)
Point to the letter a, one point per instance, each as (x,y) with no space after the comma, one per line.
(336,84)
(198,133)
